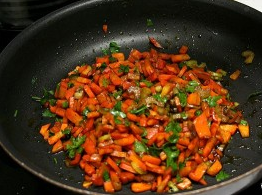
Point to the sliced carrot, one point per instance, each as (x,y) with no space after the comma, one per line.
(235,75)
(201,125)
(244,130)
(197,174)
(57,147)
(126,177)
(55,138)
(163,184)
(119,56)
(115,79)
(89,91)
(108,187)
(183,49)
(125,141)
(140,187)
(179,57)
(73,116)
(44,131)
(214,168)
(113,165)
(193,99)
(127,167)
(209,146)
(151,159)
(95,88)
(114,177)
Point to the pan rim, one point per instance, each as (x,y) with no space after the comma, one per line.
(70,8)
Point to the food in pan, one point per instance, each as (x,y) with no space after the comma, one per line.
(156,120)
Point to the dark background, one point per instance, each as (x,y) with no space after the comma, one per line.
(13,178)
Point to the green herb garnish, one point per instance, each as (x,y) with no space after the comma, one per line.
(191,86)
(173,126)
(123,68)
(118,94)
(159,98)
(65,104)
(212,100)
(66,131)
(114,47)
(182,98)
(85,111)
(116,111)
(47,97)
(222,175)
(243,122)
(103,66)
(75,146)
(149,22)
(140,110)
(16,112)
(48,113)
(140,147)
(172,154)
(106,176)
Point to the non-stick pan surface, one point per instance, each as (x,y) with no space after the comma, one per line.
(216,31)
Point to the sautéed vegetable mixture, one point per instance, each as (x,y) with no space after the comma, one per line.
(158,121)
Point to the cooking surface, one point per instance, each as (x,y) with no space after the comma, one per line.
(15,180)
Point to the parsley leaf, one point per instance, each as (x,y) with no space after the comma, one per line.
(118,93)
(172,154)
(105,51)
(222,175)
(65,104)
(173,126)
(123,68)
(243,122)
(112,59)
(149,22)
(118,106)
(114,47)
(140,110)
(159,98)
(116,111)
(154,151)
(85,111)
(182,98)
(48,113)
(47,97)
(191,86)
(66,131)
(75,146)
(117,121)
(16,112)
(140,147)
(103,66)
(106,176)
(212,100)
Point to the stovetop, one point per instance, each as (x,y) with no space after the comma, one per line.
(16,180)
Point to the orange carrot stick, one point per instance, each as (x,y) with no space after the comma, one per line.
(73,116)
(140,187)
(201,126)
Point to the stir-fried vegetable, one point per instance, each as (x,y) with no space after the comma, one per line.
(156,120)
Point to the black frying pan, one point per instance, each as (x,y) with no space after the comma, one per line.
(215,31)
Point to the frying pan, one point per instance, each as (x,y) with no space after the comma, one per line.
(216,31)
